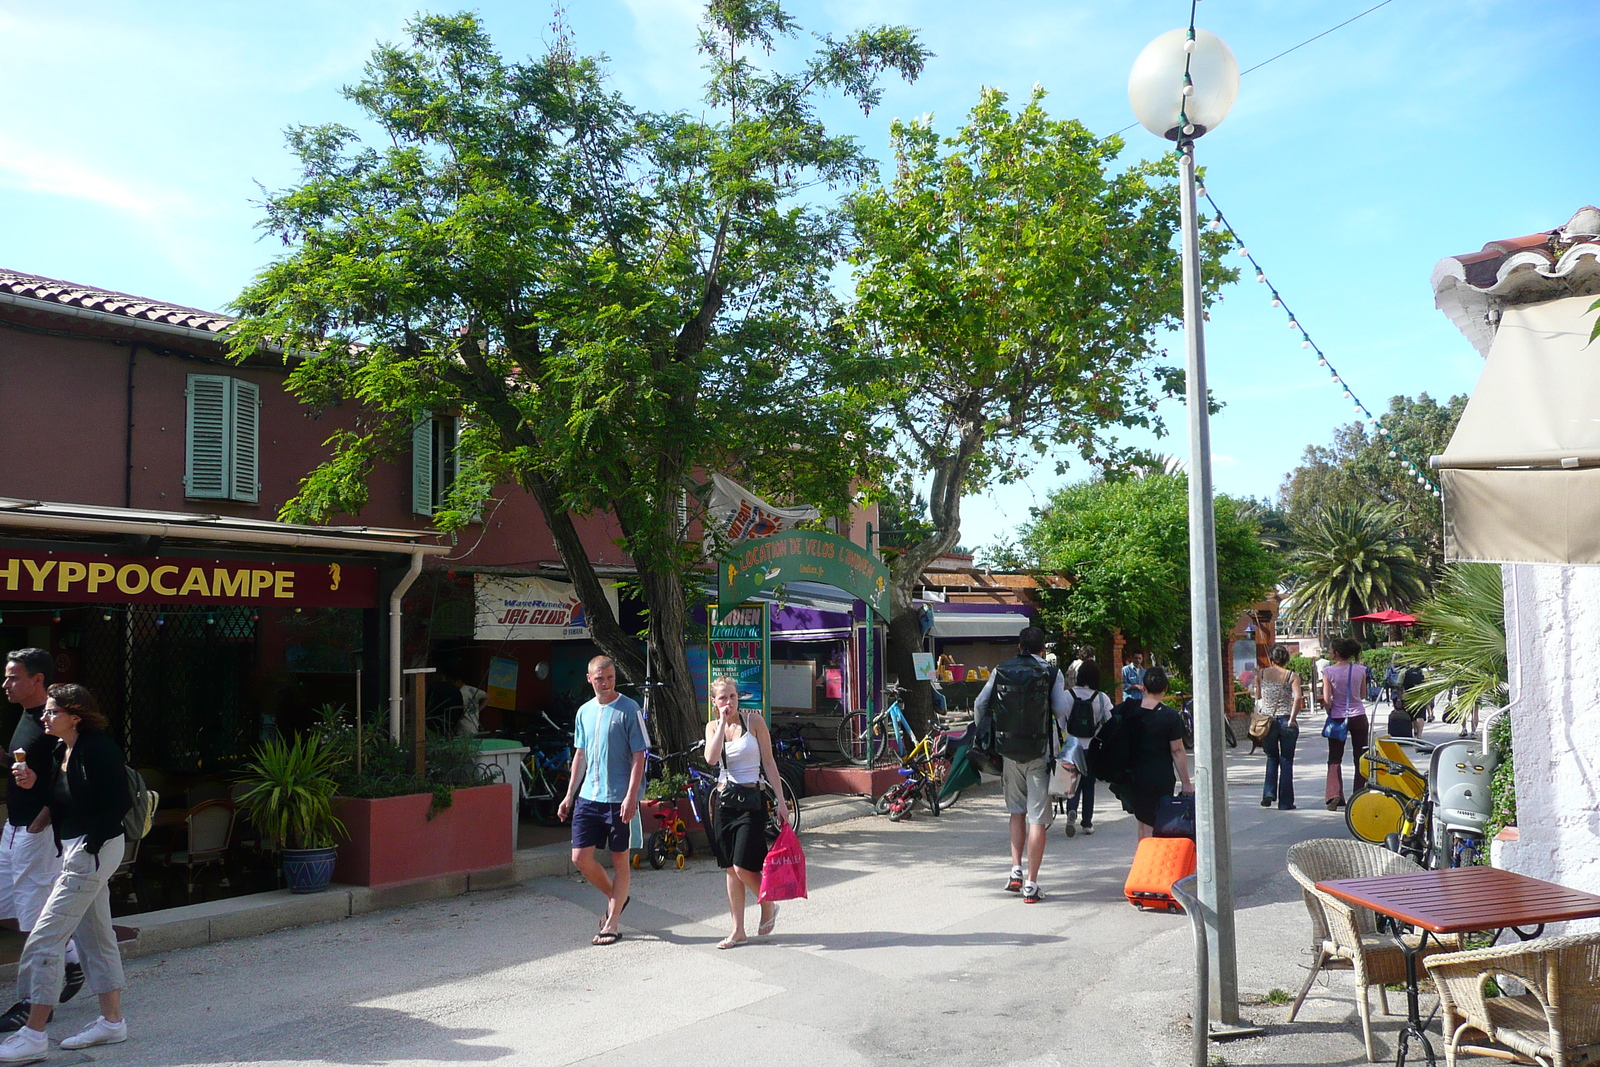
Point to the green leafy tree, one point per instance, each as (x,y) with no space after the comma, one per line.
(1465,654)
(1351,559)
(1358,468)
(1013,281)
(1123,546)
(615,301)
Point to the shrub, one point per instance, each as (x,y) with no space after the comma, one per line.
(1503,786)
(450,762)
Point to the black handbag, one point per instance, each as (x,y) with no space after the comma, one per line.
(733,798)
(1175,816)
(736,799)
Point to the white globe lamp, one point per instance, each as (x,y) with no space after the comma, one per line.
(1182,87)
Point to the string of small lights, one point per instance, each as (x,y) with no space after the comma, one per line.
(1374,423)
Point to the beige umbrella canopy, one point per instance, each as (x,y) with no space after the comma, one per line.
(1521,475)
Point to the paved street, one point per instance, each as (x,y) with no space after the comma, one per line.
(908,951)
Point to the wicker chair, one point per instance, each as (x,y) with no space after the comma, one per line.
(1346,937)
(1555,1023)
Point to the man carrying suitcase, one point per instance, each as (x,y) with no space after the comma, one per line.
(1025,704)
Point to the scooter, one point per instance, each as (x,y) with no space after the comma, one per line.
(1458,786)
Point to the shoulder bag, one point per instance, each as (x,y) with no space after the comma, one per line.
(733,798)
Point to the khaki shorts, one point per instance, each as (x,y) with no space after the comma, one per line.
(1027,788)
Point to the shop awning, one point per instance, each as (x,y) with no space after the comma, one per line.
(793,623)
(1521,475)
(973,624)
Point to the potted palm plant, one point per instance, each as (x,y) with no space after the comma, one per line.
(290,789)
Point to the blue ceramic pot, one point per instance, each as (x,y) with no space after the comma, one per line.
(308,870)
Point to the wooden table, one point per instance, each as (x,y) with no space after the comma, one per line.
(1455,901)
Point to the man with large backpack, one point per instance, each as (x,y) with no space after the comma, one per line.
(1024,708)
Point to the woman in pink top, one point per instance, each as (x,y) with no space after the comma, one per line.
(1344,683)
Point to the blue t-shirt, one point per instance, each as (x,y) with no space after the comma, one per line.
(1133,677)
(609,735)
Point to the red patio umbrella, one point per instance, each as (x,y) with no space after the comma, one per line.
(1388,615)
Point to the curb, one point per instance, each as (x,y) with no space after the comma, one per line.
(194,925)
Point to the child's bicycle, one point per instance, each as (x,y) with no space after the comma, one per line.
(670,842)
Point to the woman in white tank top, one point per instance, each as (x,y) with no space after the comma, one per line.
(739,744)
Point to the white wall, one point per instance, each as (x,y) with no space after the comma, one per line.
(1553,648)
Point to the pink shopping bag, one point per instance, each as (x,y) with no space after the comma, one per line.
(783,876)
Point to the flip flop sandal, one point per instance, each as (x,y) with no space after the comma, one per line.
(607,937)
(729,942)
(767,927)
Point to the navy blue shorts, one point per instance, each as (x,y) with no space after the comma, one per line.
(595,825)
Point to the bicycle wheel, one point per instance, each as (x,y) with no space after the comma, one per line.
(793,805)
(930,794)
(1463,849)
(656,849)
(852,737)
(1374,813)
(890,797)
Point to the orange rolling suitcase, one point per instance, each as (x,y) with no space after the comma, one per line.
(1159,862)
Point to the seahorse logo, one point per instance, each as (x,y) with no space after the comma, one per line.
(335,572)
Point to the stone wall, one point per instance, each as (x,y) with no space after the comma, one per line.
(1553,648)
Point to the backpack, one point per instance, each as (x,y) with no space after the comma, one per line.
(137,822)
(1391,677)
(1413,677)
(1023,724)
(1110,754)
(1080,722)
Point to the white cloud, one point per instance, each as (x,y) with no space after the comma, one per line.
(29,168)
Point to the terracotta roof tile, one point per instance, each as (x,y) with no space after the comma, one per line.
(1473,287)
(106,301)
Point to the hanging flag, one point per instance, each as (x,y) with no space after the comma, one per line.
(741,515)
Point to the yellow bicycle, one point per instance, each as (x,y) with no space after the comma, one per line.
(1391,805)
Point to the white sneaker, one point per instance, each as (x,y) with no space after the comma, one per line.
(25,1046)
(98,1032)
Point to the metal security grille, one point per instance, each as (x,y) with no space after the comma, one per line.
(176,683)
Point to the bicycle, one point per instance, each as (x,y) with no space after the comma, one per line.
(1397,815)
(701,792)
(546,773)
(1228,735)
(923,771)
(789,741)
(856,734)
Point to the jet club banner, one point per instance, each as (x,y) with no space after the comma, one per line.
(531,609)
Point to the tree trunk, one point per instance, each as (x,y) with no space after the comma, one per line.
(905,638)
(677,719)
(905,573)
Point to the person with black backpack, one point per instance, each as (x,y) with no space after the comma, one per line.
(1023,708)
(1090,710)
(1402,718)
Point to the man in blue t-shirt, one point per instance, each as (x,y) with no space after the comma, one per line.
(607,771)
(1133,678)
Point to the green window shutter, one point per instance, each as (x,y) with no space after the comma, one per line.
(422,465)
(206,460)
(245,441)
(476,515)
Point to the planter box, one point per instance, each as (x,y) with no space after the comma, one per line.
(392,841)
(652,821)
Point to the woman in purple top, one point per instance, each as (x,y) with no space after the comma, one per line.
(1344,683)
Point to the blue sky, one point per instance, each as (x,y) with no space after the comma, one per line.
(139,130)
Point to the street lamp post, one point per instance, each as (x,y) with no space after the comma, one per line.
(1182,85)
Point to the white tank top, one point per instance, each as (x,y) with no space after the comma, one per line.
(741,757)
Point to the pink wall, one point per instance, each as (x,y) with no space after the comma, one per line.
(65,427)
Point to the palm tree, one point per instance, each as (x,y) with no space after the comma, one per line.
(1350,559)
(1466,654)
